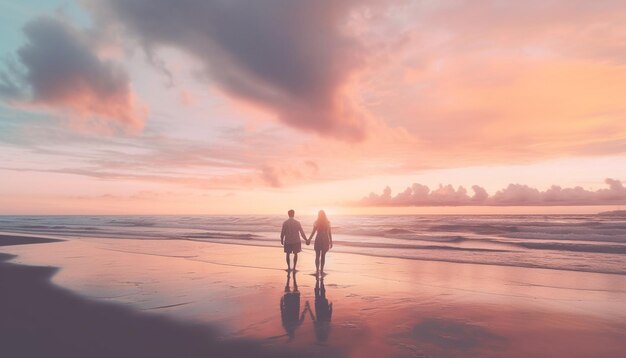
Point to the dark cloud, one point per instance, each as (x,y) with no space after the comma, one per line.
(512,195)
(290,56)
(60,69)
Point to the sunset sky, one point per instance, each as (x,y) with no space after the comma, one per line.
(255,107)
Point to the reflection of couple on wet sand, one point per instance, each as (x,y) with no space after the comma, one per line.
(323,311)
(290,239)
(290,310)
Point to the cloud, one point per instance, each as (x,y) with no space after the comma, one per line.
(59,69)
(232,160)
(294,58)
(496,81)
(512,195)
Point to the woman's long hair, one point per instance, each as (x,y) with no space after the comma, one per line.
(322,220)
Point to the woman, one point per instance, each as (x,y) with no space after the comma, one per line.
(323,240)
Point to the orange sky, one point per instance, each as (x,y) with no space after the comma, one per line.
(134,107)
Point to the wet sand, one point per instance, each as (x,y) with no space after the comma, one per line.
(7,240)
(152,298)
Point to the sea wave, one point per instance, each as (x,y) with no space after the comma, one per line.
(563,242)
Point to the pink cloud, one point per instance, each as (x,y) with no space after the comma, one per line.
(468,83)
(295,59)
(186,98)
(62,72)
(494,82)
(512,195)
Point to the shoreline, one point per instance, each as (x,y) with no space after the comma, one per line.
(13,239)
(40,319)
(54,238)
(381,306)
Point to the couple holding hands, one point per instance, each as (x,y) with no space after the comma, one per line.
(290,239)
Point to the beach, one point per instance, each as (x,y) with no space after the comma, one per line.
(97,297)
(453,170)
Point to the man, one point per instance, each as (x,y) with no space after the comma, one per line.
(290,239)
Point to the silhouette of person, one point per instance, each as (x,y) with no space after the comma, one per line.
(290,238)
(323,240)
(323,312)
(290,308)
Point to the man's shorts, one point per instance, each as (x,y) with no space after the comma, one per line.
(293,248)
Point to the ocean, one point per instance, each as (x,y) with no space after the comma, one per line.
(590,243)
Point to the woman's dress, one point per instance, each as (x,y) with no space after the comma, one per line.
(322,239)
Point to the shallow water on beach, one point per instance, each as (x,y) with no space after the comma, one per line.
(590,243)
(365,307)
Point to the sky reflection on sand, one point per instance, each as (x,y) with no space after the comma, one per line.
(379,305)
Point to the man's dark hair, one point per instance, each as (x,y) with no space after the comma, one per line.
(291,213)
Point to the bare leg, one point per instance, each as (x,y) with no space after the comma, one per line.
(295,262)
(288,263)
(323,260)
(317,261)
